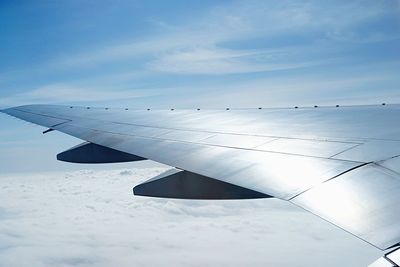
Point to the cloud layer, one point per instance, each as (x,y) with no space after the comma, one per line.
(91,218)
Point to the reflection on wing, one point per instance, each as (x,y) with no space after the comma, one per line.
(363,201)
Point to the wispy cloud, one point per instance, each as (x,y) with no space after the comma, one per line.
(63,93)
(217,61)
(349,87)
(190,47)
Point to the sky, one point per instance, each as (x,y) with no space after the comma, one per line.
(178,54)
(199,53)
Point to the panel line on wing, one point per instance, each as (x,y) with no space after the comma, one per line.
(347,149)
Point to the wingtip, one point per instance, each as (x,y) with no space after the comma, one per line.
(4,110)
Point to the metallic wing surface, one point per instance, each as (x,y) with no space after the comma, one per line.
(340,163)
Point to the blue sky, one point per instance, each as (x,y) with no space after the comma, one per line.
(188,54)
(199,53)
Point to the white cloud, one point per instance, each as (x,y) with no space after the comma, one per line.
(216,61)
(90,218)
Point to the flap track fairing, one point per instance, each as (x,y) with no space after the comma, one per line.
(91,153)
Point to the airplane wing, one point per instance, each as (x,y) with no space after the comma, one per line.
(340,163)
